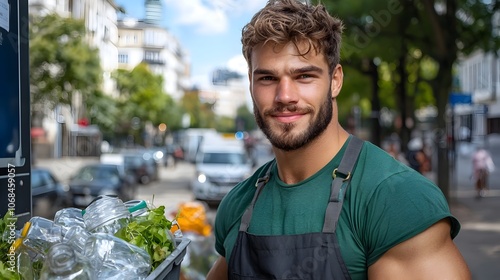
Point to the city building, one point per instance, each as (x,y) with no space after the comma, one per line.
(121,44)
(143,41)
(100,17)
(479,77)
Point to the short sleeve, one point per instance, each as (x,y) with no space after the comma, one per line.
(401,207)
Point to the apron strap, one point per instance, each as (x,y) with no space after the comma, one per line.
(245,219)
(341,180)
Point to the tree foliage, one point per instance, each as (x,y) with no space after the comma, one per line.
(142,99)
(201,114)
(438,30)
(61,62)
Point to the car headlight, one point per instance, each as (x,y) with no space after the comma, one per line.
(202,178)
(158,155)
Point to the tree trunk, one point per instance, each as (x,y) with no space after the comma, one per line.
(405,132)
(375,115)
(442,89)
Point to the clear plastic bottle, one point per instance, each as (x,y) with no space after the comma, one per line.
(106,214)
(26,260)
(39,234)
(62,263)
(137,207)
(114,258)
(69,217)
(76,237)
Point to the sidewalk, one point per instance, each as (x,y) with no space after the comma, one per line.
(479,238)
(64,167)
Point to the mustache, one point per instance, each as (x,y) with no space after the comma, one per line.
(287,108)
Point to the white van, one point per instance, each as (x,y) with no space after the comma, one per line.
(220,165)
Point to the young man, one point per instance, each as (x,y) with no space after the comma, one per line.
(320,210)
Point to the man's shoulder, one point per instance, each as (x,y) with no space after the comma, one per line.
(376,169)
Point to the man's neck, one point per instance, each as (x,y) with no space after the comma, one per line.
(298,165)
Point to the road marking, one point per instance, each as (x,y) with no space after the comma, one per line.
(473,193)
(482,226)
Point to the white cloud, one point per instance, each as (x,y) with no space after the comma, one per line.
(238,64)
(210,17)
(206,19)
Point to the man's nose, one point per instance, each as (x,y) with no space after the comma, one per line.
(286,91)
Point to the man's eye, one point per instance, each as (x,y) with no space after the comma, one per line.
(304,76)
(266,78)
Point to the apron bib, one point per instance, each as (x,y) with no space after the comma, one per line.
(299,256)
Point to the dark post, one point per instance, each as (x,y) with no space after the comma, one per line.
(15,138)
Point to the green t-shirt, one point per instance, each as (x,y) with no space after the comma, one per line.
(386,204)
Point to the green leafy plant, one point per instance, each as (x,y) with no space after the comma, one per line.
(150,232)
(6,225)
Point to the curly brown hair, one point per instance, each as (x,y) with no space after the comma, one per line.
(284,21)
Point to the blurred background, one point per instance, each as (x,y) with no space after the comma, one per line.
(139,84)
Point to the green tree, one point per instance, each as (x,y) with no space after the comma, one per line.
(142,101)
(247,117)
(62,64)
(225,124)
(102,110)
(201,113)
(440,29)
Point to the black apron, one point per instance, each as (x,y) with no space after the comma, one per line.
(300,256)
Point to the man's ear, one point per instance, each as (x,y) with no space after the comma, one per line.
(337,80)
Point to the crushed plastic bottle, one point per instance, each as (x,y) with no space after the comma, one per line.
(115,259)
(26,258)
(62,263)
(106,214)
(76,237)
(39,234)
(69,217)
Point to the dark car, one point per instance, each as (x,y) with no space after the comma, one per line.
(98,179)
(48,194)
(142,165)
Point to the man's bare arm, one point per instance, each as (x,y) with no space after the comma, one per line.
(431,254)
(218,270)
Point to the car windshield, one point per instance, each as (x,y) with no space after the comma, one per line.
(224,158)
(133,161)
(36,179)
(90,173)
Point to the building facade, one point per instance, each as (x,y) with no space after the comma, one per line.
(142,42)
(121,44)
(479,76)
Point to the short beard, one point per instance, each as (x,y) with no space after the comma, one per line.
(283,137)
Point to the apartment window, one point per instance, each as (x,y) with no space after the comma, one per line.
(152,57)
(123,58)
(105,37)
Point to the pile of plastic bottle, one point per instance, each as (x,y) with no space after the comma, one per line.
(80,244)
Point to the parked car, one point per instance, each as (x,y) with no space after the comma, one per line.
(219,167)
(48,194)
(97,179)
(138,163)
(142,165)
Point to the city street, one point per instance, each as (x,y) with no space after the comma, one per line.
(479,239)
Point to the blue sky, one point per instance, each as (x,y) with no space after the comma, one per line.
(209,29)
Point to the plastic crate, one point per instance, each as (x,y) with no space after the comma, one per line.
(170,268)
